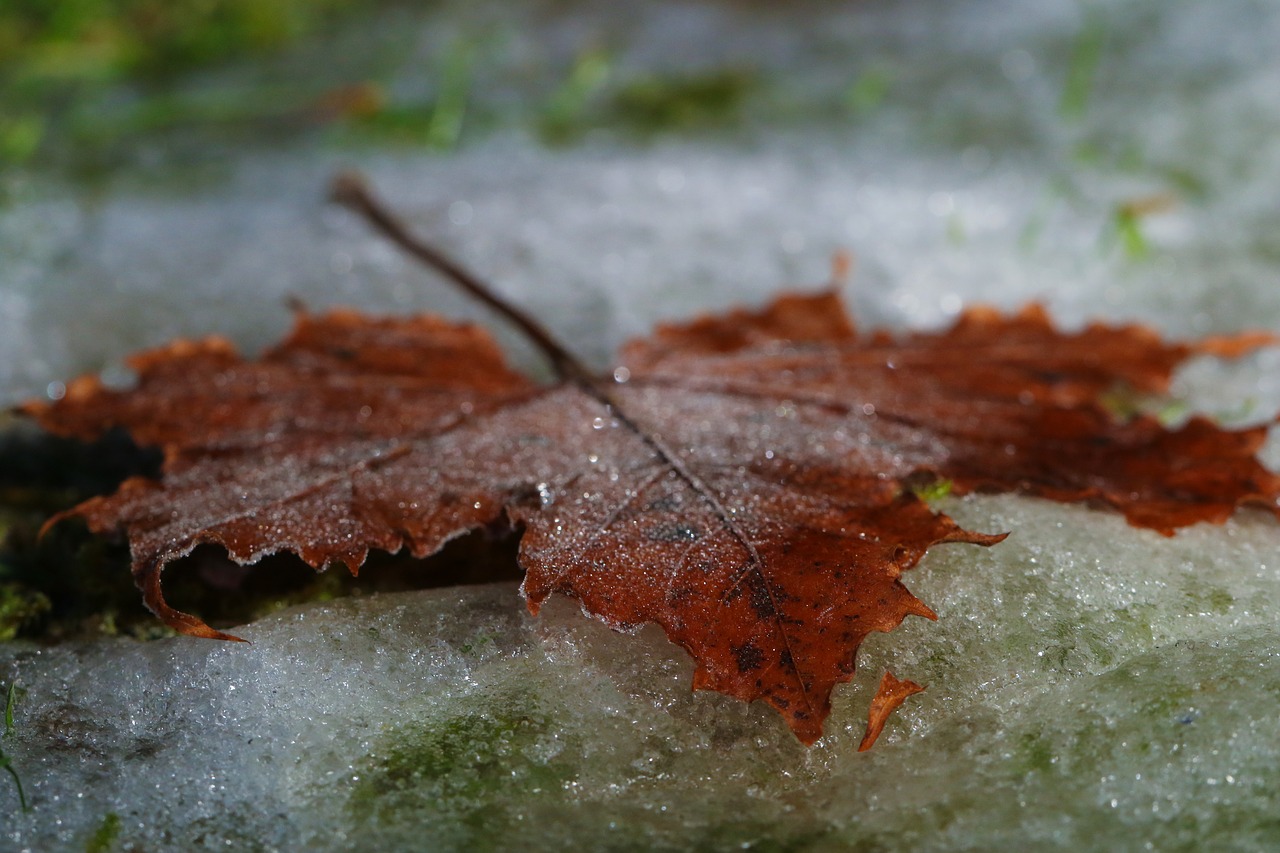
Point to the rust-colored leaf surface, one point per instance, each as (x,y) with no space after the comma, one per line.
(892,692)
(741,480)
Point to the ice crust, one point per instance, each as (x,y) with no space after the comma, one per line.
(1091,686)
(1085,692)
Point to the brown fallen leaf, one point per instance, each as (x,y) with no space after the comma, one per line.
(743,480)
(891,693)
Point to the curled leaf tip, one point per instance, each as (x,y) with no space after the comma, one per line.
(892,693)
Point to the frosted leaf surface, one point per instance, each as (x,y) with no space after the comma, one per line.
(763,519)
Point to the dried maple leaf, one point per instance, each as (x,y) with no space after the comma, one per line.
(741,480)
(893,691)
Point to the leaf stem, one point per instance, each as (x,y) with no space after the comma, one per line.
(352,191)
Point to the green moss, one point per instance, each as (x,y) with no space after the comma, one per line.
(1172,412)
(20,137)
(20,607)
(63,584)
(662,103)
(868,91)
(497,771)
(105,836)
(1036,753)
(1124,404)
(592,98)
(1220,601)
(1201,599)
(85,84)
(475,776)
(62,66)
(95,39)
(480,643)
(933,491)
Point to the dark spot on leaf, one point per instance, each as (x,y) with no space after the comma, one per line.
(749,657)
(761,602)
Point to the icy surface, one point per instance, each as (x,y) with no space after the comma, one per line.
(1119,687)
(1091,685)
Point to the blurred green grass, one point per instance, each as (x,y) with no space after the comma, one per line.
(56,57)
(83,82)
(70,40)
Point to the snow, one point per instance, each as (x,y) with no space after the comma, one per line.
(1091,686)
